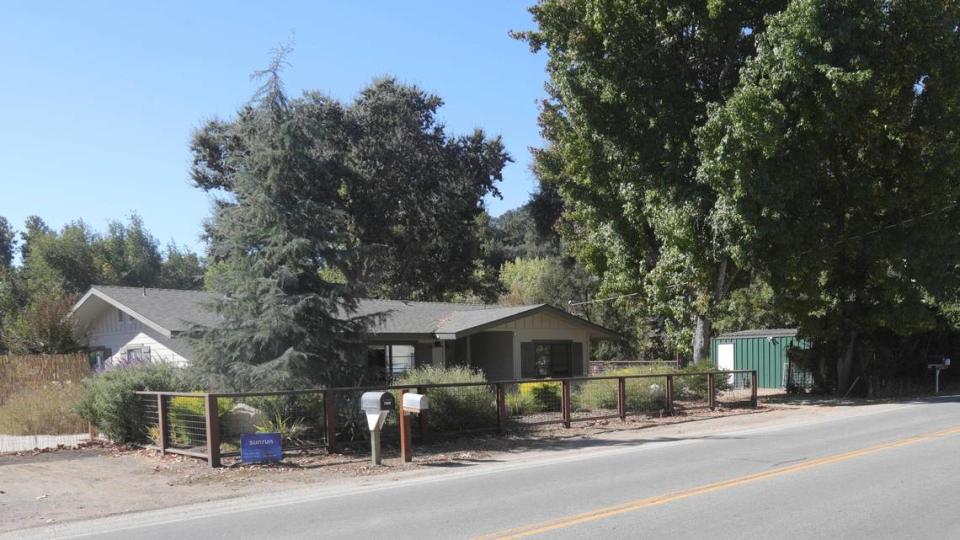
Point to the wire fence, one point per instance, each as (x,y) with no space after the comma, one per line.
(212,425)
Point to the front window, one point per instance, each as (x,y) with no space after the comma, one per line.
(390,361)
(552,359)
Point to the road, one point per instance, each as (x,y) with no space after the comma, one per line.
(885,472)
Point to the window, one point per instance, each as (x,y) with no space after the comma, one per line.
(138,355)
(119,316)
(552,359)
(99,358)
(390,360)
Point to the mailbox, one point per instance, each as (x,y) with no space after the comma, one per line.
(415,403)
(376,406)
(376,402)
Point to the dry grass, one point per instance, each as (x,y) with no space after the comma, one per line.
(34,372)
(47,411)
(39,394)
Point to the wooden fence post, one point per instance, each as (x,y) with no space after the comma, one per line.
(421,420)
(753,388)
(501,408)
(164,441)
(622,398)
(669,394)
(213,430)
(565,406)
(711,391)
(405,452)
(330,412)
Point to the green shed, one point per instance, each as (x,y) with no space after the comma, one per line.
(761,350)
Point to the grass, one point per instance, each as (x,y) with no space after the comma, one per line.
(50,410)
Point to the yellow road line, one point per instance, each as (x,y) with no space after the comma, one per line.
(602,513)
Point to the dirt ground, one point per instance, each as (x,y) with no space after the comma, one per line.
(38,488)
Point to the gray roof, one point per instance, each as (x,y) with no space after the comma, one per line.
(407,317)
(172,311)
(760,332)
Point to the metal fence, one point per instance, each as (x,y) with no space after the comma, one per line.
(211,425)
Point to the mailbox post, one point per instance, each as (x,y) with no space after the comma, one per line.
(377,406)
(937,368)
(410,403)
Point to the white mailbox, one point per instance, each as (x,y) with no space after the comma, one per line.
(415,403)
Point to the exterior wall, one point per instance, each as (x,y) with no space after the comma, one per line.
(767,356)
(492,352)
(118,336)
(545,327)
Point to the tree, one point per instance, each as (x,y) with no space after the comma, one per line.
(413,196)
(128,255)
(516,234)
(42,327)
(8,243)
(836,164)
(181,269)
(418,191)
(59,263)
(630,85)
(283,324)
(34,227)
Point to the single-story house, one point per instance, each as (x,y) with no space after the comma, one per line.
(505,342)
(763,350)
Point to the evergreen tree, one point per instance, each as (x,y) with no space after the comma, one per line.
(283,324)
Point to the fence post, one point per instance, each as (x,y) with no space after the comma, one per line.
(753,388)
(501,408)
(565,405)
(213,430)
(421,421)
(669,394)
(162,423)
(405,454)
(711,391)
(622,398)
(330,411)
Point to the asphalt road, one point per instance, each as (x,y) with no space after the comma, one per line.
(889,472)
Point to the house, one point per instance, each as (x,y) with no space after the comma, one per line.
(531,341)
(763,350)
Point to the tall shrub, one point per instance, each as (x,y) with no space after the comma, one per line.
(110,403)
(459,407)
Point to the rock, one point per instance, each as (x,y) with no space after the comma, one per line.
(242,418)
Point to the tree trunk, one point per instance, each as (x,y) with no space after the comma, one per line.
(703,324)
(845,366)
(701,338)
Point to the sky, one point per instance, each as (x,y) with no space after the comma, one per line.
(98,100)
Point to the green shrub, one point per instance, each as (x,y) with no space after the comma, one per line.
(456,408)
(292,431)
(109,401)
(519,403)
(692,382)
(187,416)
(50,410)
(640,393)
(536,397)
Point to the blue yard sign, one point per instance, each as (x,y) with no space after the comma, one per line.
(260,447)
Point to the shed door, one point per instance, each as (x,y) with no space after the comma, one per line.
(725,358)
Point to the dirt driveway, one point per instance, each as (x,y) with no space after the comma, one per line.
(50,487)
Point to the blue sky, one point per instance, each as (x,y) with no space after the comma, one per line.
(98,99)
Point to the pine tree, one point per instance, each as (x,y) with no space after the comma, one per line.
(283,324)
